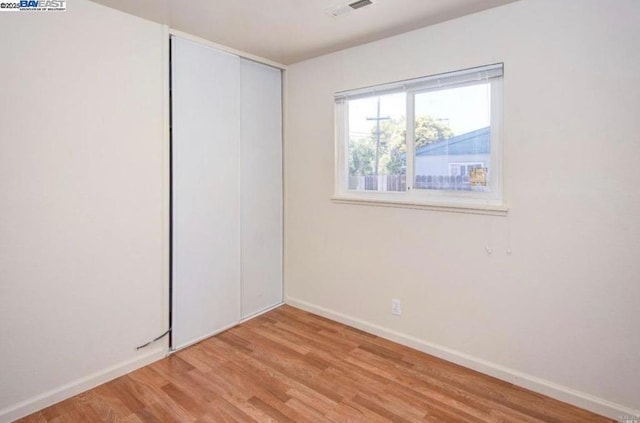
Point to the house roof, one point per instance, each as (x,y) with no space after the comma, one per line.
(474,142)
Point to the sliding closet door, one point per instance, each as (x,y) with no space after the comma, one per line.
(261,181)
(205,191)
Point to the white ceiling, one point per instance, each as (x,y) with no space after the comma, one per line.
(288,31)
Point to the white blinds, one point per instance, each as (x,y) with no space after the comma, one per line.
(464,76)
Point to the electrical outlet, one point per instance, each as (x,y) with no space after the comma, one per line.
(396,307)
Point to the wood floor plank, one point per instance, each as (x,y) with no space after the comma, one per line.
(306,413)
(221,410)
(409,378)
(289,365)
(274,412)
(249,409)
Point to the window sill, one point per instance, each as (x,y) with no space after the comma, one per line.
(486,209)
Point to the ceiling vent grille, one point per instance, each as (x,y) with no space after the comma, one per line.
(342,7)
(359,4)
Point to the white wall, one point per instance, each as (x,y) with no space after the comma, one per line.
(560,314)
(82,209)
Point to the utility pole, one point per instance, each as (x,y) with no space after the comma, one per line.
(378,118)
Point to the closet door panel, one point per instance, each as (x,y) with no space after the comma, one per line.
(261,182)
(205,191)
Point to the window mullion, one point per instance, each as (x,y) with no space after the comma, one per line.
(410,140)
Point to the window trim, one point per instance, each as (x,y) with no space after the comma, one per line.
(462,201)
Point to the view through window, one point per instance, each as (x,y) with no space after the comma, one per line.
(377,143)
(432,134)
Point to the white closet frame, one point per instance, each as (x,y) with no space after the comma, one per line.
(168,32)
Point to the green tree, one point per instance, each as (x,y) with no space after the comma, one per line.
(393,146)
(361,156)
(429,130)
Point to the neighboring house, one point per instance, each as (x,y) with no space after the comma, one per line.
(455,156)
(442,165)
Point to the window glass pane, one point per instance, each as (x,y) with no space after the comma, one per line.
(452,138)
(377,143)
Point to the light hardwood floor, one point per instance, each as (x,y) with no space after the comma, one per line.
(292,366)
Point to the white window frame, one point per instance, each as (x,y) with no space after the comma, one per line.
(472,201)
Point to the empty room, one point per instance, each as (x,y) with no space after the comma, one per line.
(319,211)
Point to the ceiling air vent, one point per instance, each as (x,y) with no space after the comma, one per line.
(359,4)
(342,7)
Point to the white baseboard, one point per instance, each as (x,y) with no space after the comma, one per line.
(68,390)
(545,387)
